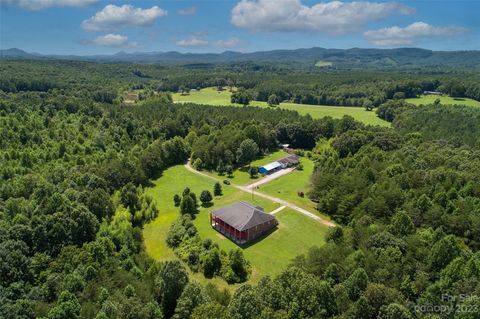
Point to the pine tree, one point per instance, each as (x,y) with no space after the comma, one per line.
(206,198)
(217,189)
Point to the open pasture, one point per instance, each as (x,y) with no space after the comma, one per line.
(211,96)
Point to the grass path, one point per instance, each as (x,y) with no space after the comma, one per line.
(211,96)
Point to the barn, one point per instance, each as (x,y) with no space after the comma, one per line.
(242,222)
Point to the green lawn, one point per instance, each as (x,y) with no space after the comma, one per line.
(287,187)
(269,256)
(173,181)
(447,100)
(242,177)
(212,97)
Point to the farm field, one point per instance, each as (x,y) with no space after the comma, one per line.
(211,96)
(447,100)
(267,257)
(242,177)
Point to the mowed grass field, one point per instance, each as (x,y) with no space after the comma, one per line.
(447,100)
(242,177)
(287,187)
(211,96)
(269,256)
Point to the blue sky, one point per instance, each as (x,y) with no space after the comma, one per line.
(104,27)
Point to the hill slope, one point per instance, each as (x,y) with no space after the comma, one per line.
(338,58)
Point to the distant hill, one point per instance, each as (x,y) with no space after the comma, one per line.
(16,53)
(334,58)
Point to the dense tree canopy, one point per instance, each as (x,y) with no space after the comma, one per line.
(75,162)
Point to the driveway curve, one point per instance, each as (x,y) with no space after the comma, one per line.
(282,202)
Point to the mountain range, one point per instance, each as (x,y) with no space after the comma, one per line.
(320,57)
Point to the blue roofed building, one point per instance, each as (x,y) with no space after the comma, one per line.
(270,168)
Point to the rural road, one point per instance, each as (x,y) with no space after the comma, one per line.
(280,201)
(271,177)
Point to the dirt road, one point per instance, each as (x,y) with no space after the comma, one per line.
(271,177)
(282,202)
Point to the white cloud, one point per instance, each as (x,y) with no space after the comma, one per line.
(187,11)
(333,17)
(228,43)
(393,36)
(111,40)
(43,4)
(193,41)
(113,17)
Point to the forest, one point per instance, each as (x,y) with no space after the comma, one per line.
(75,162)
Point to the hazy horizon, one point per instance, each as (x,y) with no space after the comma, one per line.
(92,27)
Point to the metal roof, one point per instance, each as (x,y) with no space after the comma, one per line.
(243,215)
(291,159)
(271,166)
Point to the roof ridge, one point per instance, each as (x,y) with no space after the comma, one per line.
(248,204)
(251,213)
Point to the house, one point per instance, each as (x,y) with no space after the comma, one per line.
(270,168)
(289,161)
(242,222)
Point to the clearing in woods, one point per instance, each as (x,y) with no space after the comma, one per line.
(269,256)
(446,100)
(241,176)
(211,96)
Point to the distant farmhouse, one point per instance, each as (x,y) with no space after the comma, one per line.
(432,93)
(288,161)
(242,222)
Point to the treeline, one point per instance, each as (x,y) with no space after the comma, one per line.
(457,124)
(63,231)
(347,88)
(234,144)
(16,85)
(410,201)
(202,255)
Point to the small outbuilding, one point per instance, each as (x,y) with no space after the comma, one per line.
(242,221)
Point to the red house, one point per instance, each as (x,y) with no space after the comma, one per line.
(242,222)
